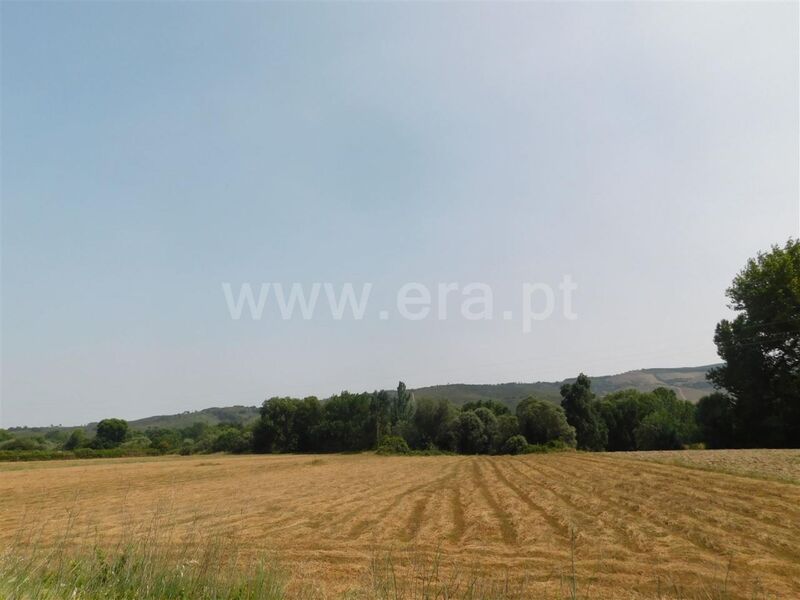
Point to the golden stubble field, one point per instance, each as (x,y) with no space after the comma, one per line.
(633,528)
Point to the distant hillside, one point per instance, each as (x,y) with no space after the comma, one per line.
(211,416)
(689,383)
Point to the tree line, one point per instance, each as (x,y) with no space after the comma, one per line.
(757,403)
(397,422)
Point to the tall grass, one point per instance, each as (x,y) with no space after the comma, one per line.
(155,565)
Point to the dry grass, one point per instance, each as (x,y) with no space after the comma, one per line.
(558,525)
(781,465)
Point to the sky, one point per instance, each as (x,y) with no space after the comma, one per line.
(153,151)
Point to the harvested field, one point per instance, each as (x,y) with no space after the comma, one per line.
(635,528)
(781,465)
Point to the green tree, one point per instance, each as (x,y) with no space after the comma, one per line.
(275,430)
(657,431)
(543,422)
(490,428)
(472,437)
(77,439)
(307,420)
(429,424)
(715,420)
(402,405)
(623,412)
(507,427)
(347,423)
(670,426)
(582,413)
(110,433)
(497,407)
(761,349)
(380,406)
(232,439)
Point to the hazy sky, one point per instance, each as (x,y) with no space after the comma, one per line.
(153,151)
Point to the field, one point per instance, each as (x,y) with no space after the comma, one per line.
(556,525)
(780,465)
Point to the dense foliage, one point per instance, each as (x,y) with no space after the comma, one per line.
(761,350)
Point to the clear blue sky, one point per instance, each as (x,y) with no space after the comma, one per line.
(151,151)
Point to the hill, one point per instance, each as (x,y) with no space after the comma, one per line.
(210,416)
(688,382)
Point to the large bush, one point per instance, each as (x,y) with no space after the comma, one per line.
(110,433)
(393,444)
(516,444)
(21,444)
(543,422)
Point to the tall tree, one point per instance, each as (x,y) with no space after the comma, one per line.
(583,414)
(379,407)
(761,349)
(110,433)
(402,406)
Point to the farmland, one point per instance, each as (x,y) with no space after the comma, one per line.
(614,525)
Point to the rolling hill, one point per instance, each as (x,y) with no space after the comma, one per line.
(689,383)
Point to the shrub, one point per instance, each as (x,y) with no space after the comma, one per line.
(516,444)
(232,440)
(77,439)
(21,445)
(393,444)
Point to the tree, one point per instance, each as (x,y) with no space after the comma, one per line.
(507,427)
(761,349)
(110,433)
(380,405)
(623,412)
(657,431)
(715,420)
(307,420)
(472,437)
(490,428)
(498,408)
(670,426)
(347,423)
(232,439)
(402,405)
(582,413)
(430,422)
(77,439)
(543,422)
(275,431)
